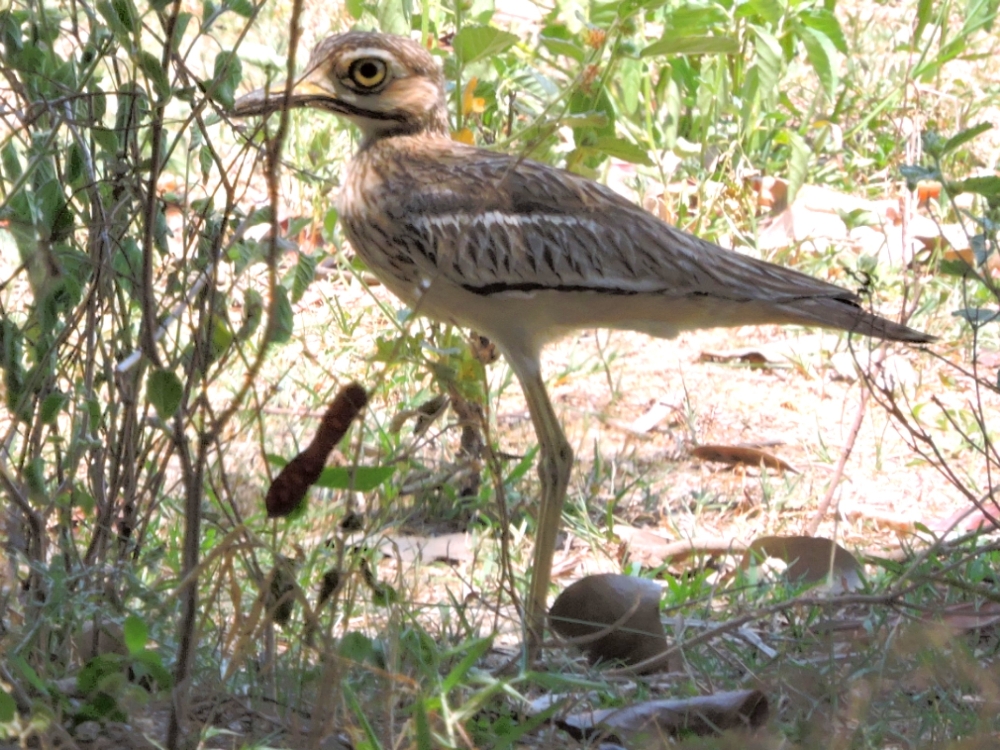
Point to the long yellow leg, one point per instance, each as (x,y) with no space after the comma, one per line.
(554,465)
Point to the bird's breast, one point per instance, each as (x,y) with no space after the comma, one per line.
(376,224)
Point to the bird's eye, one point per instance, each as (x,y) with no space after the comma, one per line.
(368,72)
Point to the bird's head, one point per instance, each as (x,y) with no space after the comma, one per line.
(384,84)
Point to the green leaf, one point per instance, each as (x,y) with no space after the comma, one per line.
(619,148)
(477,42)
(28,673)
(957,267)
(768,10)
(979,14)
(798,160)
(914,173)
(821,53)
(94,672)
(136,634)
(425,741)
(51,204)
(768,61)
(165,391)
(358,478)
(305,272)
(150,662)
(127,14)
(977,316)
(330,221)
(360,715)
(242,8)
(964,137)
(275,460)
(630,81)
(472,653)
(253,312)
(826,23)
(8,708)
(694,20)
(10,162)
(981,249)
(222,337)
(74,163)
(393,16)
(596,120)
(693,45)
(150,65)
(987,186)
(356,647)
(226,76)
(924,10)
(355,8)
(107,139)
(283,325)
(566,47)
(51,406)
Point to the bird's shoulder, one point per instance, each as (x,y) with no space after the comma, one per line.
(440,175)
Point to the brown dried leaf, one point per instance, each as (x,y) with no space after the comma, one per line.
(598,602)
(328,585)
(280,599)
(966,520)
(786,352)
(772,193)
(652,550)
(971,618)
(810,559)
(703,715)
(483,349)
(740,454)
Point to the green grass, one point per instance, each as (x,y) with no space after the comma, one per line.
(105,470)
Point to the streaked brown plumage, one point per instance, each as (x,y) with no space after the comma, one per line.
(523,252)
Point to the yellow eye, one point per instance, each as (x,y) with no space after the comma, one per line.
(368,72)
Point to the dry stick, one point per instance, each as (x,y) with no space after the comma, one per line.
(194,474)
(845,453)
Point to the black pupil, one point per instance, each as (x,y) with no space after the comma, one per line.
(368,70)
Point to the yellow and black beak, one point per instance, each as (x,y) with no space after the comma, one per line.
(308,92)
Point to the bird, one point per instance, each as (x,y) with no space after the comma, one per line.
(523,252)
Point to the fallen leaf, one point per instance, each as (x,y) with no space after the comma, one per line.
(650,419)
(652,550)
(895,522)
(809,559)
(484,350)
(967,520)
(740,454)
(627,607)
(786,352)
(971,618)
(280,597)
(703,715)
(472,104)
(772,193)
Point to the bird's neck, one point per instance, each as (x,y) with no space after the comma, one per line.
(430,124)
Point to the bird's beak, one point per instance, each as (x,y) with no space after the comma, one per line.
(307,92)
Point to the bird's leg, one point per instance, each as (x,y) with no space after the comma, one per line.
(554,465)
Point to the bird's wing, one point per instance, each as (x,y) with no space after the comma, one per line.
(495,224)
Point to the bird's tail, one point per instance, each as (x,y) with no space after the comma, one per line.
(848,315)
